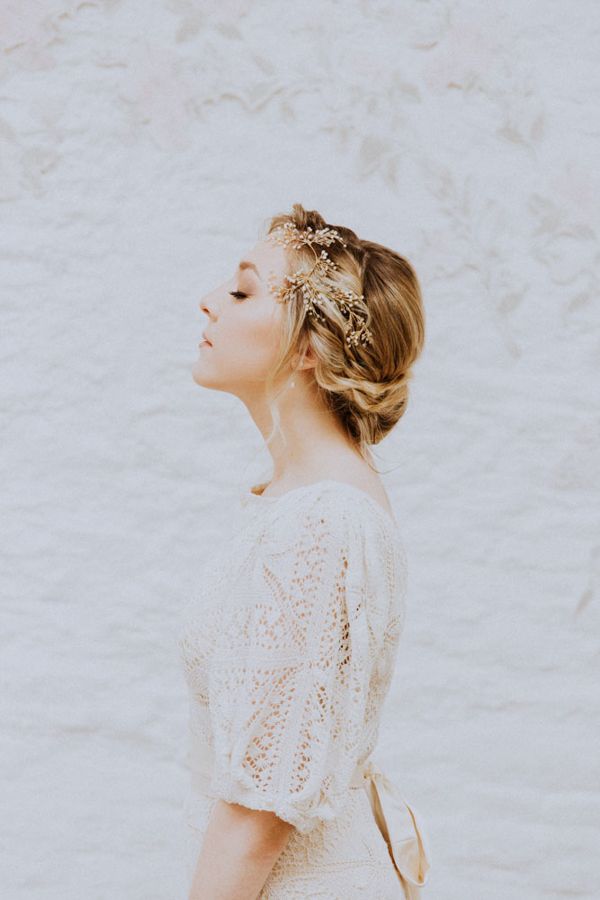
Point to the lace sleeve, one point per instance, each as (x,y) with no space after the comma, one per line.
(289,679)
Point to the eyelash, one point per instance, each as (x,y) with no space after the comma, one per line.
(239,295)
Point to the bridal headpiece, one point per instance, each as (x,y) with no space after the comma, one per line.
(314,297)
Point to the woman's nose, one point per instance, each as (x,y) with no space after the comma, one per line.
(210,302)
(203,305)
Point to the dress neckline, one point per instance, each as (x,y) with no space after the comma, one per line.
(389,517)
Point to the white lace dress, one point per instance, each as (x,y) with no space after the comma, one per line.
(288,649)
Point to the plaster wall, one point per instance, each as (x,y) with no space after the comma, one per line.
(142,146)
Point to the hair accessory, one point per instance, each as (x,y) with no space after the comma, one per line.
(351,304)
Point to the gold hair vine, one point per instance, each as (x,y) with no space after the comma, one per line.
(350,303)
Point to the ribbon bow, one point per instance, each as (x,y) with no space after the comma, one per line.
(401,827)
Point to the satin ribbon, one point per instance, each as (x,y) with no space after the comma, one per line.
(400,825)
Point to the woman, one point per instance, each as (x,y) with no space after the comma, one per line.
(288,652)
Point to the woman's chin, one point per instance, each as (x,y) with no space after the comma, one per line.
(199,373)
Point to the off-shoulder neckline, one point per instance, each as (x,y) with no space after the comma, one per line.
(375,504)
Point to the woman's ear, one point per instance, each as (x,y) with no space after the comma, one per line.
(306,359)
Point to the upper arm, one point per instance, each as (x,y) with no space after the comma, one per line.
(261,831)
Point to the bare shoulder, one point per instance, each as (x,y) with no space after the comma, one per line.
(370,484)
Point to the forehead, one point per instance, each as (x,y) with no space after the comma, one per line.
(269,258)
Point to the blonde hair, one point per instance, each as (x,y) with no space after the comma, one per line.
(365,387)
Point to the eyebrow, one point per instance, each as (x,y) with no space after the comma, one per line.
(246,264)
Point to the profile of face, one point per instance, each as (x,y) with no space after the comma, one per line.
(244,324)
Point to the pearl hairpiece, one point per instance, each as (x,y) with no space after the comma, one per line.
(350,303)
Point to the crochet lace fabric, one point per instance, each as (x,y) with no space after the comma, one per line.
(288,652)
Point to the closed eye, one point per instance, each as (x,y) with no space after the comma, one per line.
(239,295)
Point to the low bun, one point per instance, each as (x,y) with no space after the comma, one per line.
(368,409)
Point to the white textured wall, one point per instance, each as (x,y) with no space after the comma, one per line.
(142,145)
